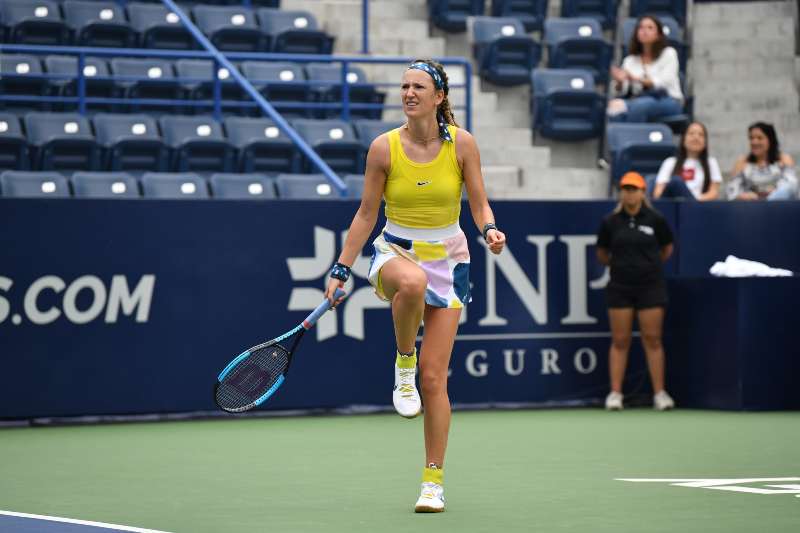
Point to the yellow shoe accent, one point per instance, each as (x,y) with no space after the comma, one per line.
(406,361)
(433,475)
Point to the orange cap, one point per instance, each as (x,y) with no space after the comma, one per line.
(633,179)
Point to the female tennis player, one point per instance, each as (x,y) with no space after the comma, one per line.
(421,260)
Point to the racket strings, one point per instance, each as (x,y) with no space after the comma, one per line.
(252,378)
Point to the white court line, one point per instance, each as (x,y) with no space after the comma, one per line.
(80,522)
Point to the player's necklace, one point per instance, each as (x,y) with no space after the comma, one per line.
(423,142)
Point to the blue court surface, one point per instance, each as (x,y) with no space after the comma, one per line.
(11,522)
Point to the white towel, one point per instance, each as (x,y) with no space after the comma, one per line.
(733,267)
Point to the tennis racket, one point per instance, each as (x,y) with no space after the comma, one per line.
(254,375)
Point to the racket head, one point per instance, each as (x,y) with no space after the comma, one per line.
(252,377)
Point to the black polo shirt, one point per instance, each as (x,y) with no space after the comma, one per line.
(635,244)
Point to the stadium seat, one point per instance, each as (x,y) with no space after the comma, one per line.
(326,87)
(262,146)
(130,142)
(639,147)
(305,187)
(147,79)
(335,142)
(294,32)
(196,77)
(368,130)
(577,43)
(672,31)
(530,12)
(13,146)
(283,84)
(62,141)
(104,185)
(355,185)
(22,184)
(174,185)
(20,75)
(603,11)
(95,73)
(34,22)
(198,144)
(451,15)
(231,28)
(158,27)
(505,54)
(243,186)
(565,105)
(98,24)
(660,8)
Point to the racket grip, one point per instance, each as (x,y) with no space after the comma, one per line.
(320,310)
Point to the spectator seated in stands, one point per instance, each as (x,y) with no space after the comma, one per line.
(648,85)
(693,175)
(765,173)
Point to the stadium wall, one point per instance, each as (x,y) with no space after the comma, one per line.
(115,307)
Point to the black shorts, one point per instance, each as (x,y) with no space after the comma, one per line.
(641,297)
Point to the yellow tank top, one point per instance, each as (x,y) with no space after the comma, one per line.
(423,195)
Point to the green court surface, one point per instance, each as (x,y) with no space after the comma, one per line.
(530,470)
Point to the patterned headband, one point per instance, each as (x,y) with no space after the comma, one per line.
(444,132)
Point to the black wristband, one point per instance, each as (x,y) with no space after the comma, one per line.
(487,227)
(340,272)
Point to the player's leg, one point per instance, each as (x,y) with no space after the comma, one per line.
(651,322)
(621,321)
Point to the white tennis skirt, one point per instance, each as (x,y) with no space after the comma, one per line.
(445,261)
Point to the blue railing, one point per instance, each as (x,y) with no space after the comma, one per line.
(217,103)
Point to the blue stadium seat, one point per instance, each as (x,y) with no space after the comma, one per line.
(198,144)
(174,185)
(13,146)
(283,84)
(335,142)
(146,79)
(196,77)
(639,147)
(158,27)
(577,43)
(603,11)
(105,185)
(130,142)
(99,23)
(355,185)
(565,105)
(326,79)
(34,22)
(660,8)
(21,75)
(243,186)
(95,72)
(672,31)
(305,187)
(233,29)
(530,12)
(505,54)
(294,32)
(22,184)
(262,146)
(62,141)
(368,130)
(451,15)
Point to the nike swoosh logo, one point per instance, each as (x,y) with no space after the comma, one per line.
(421,183)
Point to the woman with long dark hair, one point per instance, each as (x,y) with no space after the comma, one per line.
(648,85)
(693,175)
(421,259)
(765,173)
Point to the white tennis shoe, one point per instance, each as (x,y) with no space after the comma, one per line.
(663,401)
(405,396)
(614,401)
(431,498)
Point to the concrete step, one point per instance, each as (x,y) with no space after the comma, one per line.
(526,157)
(566,183)
(745,87)
(765,49)
(380,29)
(501,176)
(725,30)
(706,14)
(747,102)
(732,69)
(422,47)
(488,136)
(738,121)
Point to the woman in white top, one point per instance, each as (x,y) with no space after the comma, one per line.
(647,86)
(693,174)
(765,173)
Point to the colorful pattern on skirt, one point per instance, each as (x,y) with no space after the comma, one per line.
(445,263)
